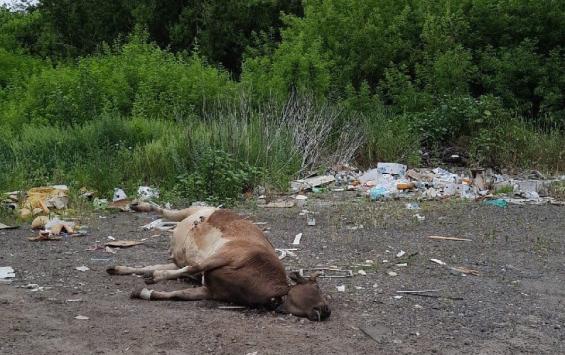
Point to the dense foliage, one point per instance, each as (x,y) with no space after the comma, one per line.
(118,92)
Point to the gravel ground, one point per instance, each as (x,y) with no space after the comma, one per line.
(515,304)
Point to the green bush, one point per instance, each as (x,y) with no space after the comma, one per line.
(216,177)
(134,79)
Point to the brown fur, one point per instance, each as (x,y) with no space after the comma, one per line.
(237,262)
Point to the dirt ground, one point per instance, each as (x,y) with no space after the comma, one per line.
(515,304)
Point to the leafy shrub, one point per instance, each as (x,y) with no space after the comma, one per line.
(216,176)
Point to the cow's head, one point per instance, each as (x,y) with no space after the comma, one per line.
(305,299)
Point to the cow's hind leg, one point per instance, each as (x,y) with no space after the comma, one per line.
(152,277)
(189,294)
(126,270)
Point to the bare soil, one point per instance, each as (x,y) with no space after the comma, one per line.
(515,304)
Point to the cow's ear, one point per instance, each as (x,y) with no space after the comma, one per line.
(296,277)
(315,275)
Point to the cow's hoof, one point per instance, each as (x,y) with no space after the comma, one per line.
(136,293)
(149,278)
(112,270)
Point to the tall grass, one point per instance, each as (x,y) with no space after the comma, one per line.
(281,142)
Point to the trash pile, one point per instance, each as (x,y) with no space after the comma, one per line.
(38,200)
(48,205)
(395,181)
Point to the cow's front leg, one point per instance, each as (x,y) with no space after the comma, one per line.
(126,270)
(189,294)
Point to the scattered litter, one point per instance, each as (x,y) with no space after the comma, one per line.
(119,195)
(7,272)
(110,250)
(417,306)
(362,272)
(437,261)
(100,259)
(308,184)
(59,228)
(359,287)
(285,252)
(465,271)
(260,223)
(412,206)
(44,236)
(328,272)
(436,237)
(253,353)
(79,317)
(397,297)
(417,291)
(232,307)
(35,288)
(392,273)
(405,185)
(39,222)
(123,243)
(402,265)
(278,204)
(100,203)
(297,239)
(3,226)
(300,200)
(82,268)
(147,193)
(282,253)
(420,218)
(341,288)
(378,193)
(110,237)
(423,294)
(377,332)
(311,220)
(354,228)
(391,168)
(74,300)
(461,269)
(499,202)
(86,193)
(400,254)
(45,198)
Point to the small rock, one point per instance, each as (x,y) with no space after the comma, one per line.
(82,268)
(392,273)
(400,254)
(362,272)
(341,288)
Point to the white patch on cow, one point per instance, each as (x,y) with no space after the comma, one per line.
(145,294)
(185,249)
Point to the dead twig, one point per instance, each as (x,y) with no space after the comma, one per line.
(417,291)
(433,296)
(436,237)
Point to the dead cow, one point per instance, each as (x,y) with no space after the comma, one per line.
(236,261)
